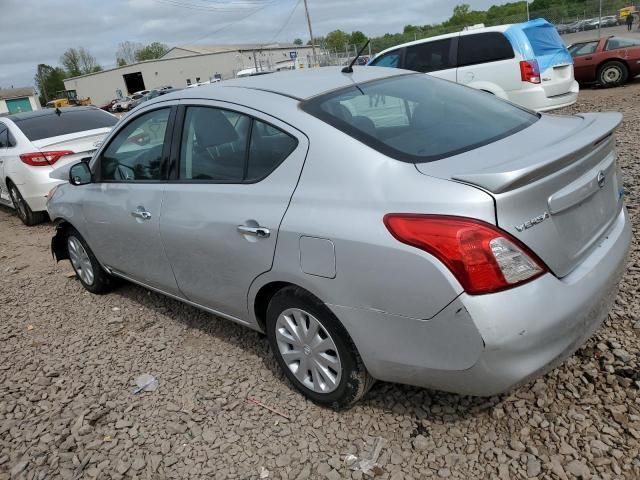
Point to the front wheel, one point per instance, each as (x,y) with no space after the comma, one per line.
(23,210)
(613,74)
(91,274)
(314,350)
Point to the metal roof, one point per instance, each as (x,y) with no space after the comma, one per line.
(7,93)
(204,49)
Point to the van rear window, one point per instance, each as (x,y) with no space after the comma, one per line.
(544,40)
(70,120)
(418,118)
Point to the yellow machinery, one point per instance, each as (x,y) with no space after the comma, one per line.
(623,13)
(67,98)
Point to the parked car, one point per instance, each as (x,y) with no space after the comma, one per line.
(563,28)
(381,224)
(610,61)
(610,21)
(126,103)
(526,63)
(151,95)
(109,105)
(32,143)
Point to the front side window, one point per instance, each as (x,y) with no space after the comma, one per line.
(135,154)
(418,118)
(224,146)
(583,49)
(429,56)
(618,42)
(483,48)
(391,60)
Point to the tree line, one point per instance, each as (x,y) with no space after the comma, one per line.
(74,62)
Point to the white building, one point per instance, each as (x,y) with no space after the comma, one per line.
(16,100)
(182,66)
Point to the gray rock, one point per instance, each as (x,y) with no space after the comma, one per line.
(18,468)
(578,469)
(122,467)
(175,427)
(138,463)
(533,468)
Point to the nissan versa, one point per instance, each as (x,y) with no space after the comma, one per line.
(379,224)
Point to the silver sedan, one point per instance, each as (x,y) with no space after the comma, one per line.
(378,224)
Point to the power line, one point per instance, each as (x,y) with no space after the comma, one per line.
(215,6)
(295,7)
(217,30)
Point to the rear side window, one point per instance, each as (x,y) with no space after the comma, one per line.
(429,56)
(71,120)
(619,42)
(483,48)
(391,59)
(224,146)
(4,136)
(418,118)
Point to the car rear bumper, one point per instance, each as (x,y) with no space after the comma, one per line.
(487,344)
(536,99)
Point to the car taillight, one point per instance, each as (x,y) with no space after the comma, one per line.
(482,257)
(38,159)
(530,71)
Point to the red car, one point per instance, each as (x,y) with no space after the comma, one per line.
(609,61)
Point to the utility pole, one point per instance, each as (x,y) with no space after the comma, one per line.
(600,19)
(528,18)
(313,45)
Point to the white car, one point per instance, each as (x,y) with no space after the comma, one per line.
(525,63)
(32,143)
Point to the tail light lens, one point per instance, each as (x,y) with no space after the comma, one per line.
(530,71)
(482,257)
(39,159)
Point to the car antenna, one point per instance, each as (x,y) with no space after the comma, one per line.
(349,69)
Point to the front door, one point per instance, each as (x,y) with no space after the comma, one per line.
(584,67)
(220,217)
(123,205)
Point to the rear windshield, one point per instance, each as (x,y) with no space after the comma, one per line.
(69,121)
(418,118)
(544,40)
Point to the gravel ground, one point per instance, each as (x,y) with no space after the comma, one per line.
(69,360)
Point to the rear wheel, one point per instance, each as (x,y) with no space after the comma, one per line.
(314,350)
(91,274)
(23,210)
(613,74)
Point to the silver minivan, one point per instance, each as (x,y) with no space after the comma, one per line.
(379,224)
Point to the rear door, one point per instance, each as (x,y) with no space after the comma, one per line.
(435,57)
(486,62)
(237,170)
(122,207)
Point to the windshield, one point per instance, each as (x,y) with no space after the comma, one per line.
(418,118)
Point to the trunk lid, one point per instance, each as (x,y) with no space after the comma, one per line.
(560,197)
(83,144)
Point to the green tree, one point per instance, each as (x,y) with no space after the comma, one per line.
(337,40)
(151,52)
(297,41)
(358,38)
(48,80)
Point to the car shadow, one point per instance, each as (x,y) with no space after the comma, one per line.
(415,403)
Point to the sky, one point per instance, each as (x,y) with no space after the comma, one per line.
(37,31)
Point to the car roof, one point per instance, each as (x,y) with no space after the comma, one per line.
(17,117)
(297,84)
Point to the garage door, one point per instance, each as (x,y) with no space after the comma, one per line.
(16,105)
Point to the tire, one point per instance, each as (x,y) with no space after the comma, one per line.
(336,376)
(88,270)
(28,217)
(613,74)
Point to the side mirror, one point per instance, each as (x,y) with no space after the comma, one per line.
(86,160)
(80,174)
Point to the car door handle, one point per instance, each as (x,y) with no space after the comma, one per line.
(260,232)
(141,213)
